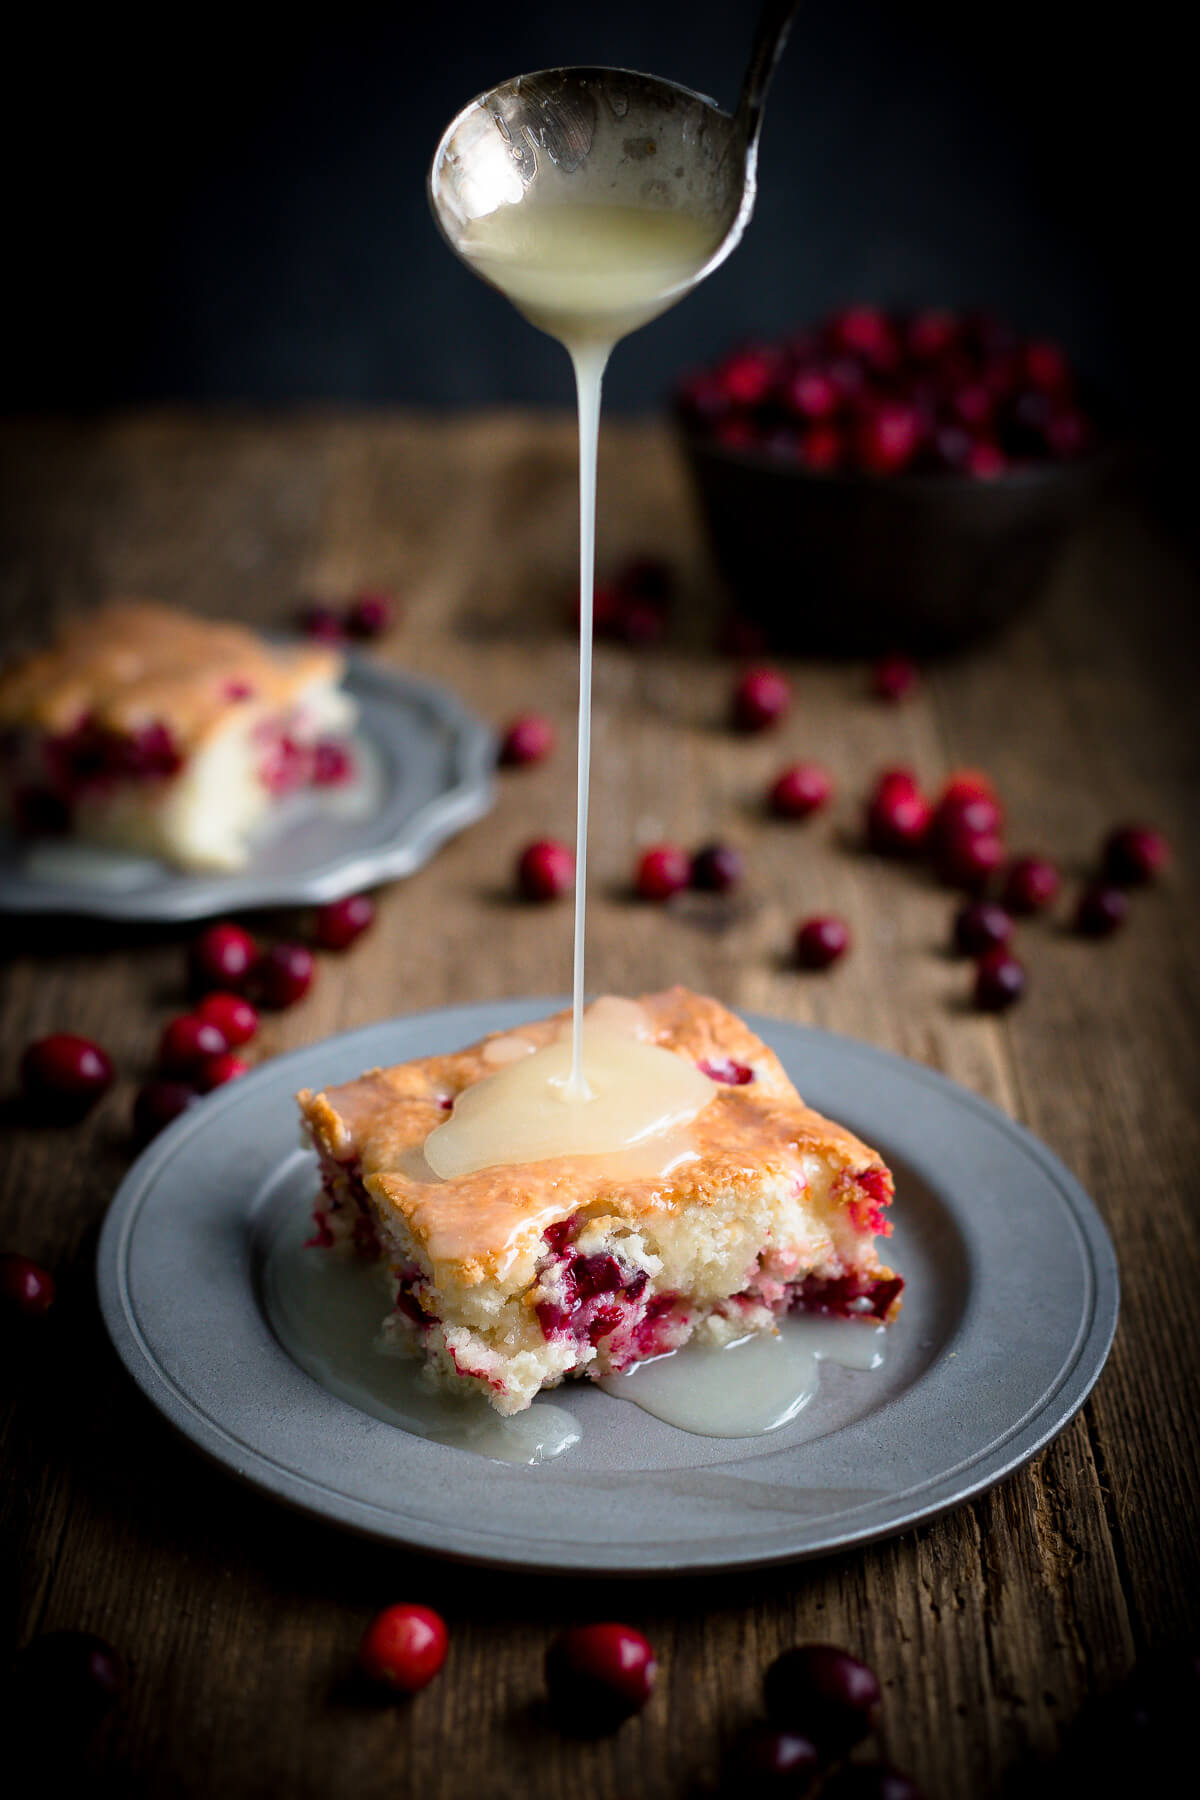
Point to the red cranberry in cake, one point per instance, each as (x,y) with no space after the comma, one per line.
(337,925)
(1030,884)
(332,764)
(760,699)
(529,738)
(215,1071)
(1101,910)
(823,1692)
(999,980)
(188,1041)
(599,1675)
(545,870)
(1134,854)
(979,926)
(369,614)
(25,1287)
(159,1104)
(821,941)
(221,957)
(893,677)
(717,869)
(283,975)
(662,870)
(404,1647)
(233,1017)
(799,790)
(770,1761)
(64,1075)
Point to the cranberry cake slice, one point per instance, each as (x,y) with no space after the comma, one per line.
(510,1278)
(151,730)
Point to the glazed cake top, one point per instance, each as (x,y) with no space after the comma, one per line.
(133,663)
(749,1130)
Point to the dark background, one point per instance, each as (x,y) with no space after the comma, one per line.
(222,206)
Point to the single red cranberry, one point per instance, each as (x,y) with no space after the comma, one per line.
(999,980)
(894,781)
(898,820)
(813,395)
(717,869)
(968,859)
(979,926)
(973,403)
(870,1781)
(893,677)
(822,449)
(799,790)
(215,1071)
(233,1017)
(369,615)
(747,376)
(221,957)
(662,870)
(1101,910)
(528,739)
(760,699)
(1030,883)
(598,1675)
(332,764)
(985,461)
(545,870)
(821,941)
(968,784)
(930,334)
(283,975)
(823,1692)
(866,332)
(25,1287)
(970,813)
(71,1678)
(888,438)
(1134,854)
(322,624)
(404,1647)
(338,924)
(1045,365)
(63,1075)
(159,1104)
(727,1072)
(187,1041)
(770,1761)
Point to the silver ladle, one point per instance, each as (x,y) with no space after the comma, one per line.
(610,136)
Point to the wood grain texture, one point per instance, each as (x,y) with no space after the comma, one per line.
(991,1627)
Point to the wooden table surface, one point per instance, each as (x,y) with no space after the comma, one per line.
(991,1627)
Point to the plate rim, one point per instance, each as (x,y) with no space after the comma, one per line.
(1021,1440)
(192,897)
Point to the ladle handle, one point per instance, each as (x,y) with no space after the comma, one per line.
(770,35)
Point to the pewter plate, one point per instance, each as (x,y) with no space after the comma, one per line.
(429,764)
(1009,1313)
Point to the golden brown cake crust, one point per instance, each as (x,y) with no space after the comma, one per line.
(475,1223)
(131,663)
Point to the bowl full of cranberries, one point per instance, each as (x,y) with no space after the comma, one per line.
(889,480)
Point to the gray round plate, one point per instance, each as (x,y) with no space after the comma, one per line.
(433,761)
(1009,1312)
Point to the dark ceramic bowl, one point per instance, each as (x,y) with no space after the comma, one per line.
(862,564)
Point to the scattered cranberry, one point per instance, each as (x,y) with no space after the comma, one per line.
(332,765)
(159,1104)
(233,1017)
(64,1075)
(823,1692)
(215,1071)
(967,784)
(336,925)
(1101,910)
(545,870)
(999,980)
(1135,854)
(962,812)
(1030,884)
(404,1647)
(528,739)
(980,926)
(893,677)
(800,790)
(898,819)
(187,1041)
(70,1678)
(25,1287)
(369,615)
(221,957)
(968,859)
(598,1675)
(760,699)
(717,869)
(870,1781)
(895,781)
(662,870)
(283,975)
(821,941)
(322,624)
(771,1761)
